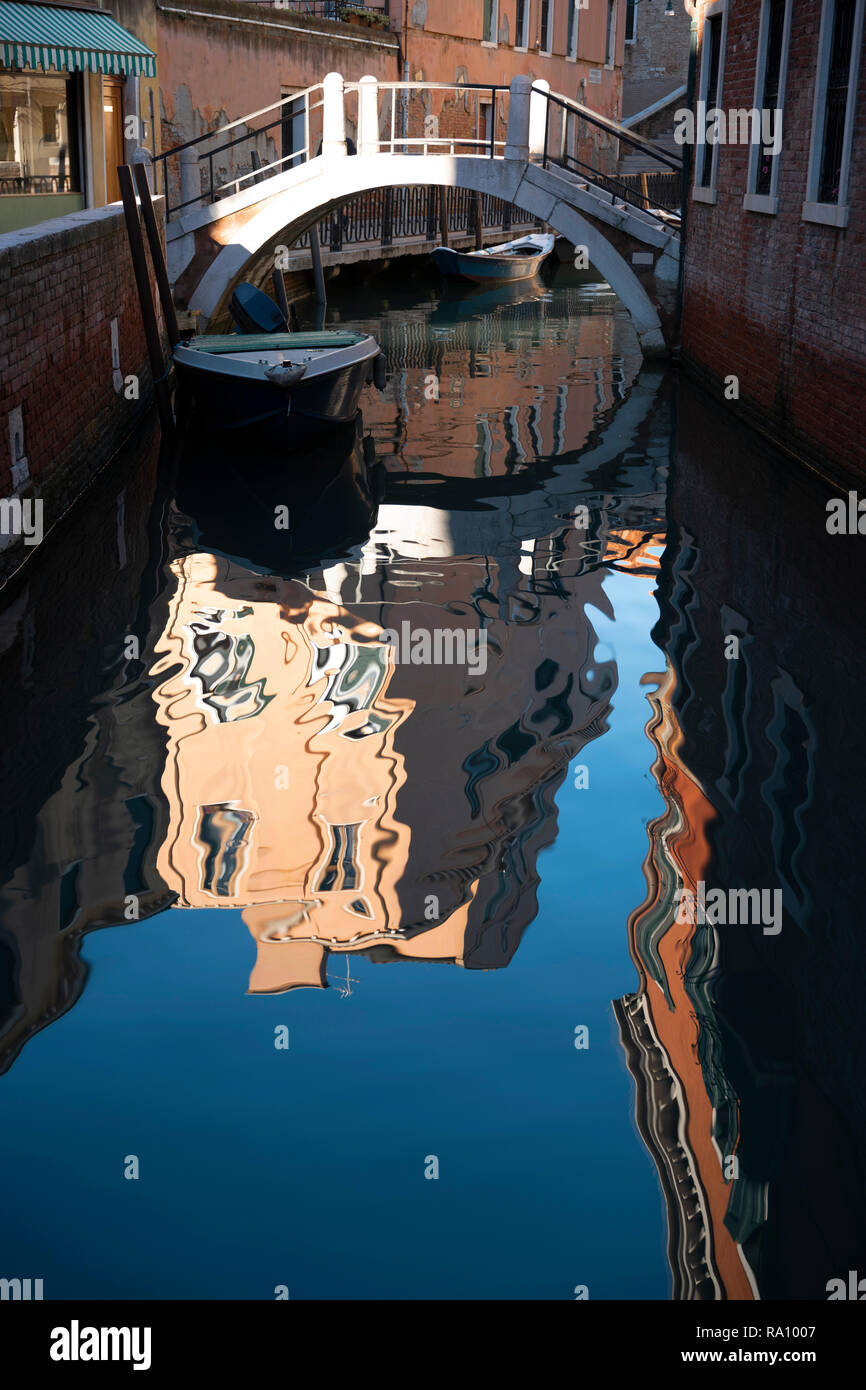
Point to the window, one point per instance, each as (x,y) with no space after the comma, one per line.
(547,26)
(222,842)
(112,126)
(770,73)
(521,29)
(610,36)
(39,144)
(839,51)
(294,132)
(836,101)
(571,49)
(490,21)
(568,138)
(485,124)
(342,872)
(631,20)
(712,73)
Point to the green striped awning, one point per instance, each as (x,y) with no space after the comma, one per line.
(40,36)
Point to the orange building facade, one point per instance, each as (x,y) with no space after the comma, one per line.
(222,59)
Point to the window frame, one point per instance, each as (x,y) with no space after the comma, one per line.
(573,21)
(631,7)
(548,37)
(610,33)
(521,43)
(75,100)
(494,26)
(708,193)
(768,202)
(832,214)
(483,124)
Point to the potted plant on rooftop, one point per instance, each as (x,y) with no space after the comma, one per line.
(360,14)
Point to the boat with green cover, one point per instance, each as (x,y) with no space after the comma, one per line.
(299,383)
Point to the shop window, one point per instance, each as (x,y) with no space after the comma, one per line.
(39,133)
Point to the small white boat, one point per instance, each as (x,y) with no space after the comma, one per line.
(513,260)
(303,382)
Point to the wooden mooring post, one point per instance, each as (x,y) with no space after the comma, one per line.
(280,292)
(443,215)
(157,257)
(148,312)
(479,221)
(318,272)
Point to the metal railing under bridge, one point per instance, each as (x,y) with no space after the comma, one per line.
(387,216)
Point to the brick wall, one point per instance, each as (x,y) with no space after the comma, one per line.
(660,48)
(774,300)
(63,282)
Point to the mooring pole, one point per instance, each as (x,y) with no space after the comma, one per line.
(148,314)
(280,293)
(157,258)
(318,273)
(443,215)
(479,226)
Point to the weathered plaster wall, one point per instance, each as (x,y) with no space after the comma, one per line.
(444,44)
(217,68)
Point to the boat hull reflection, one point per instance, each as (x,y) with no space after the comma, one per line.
(276,514)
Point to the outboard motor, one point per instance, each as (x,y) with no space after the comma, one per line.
(255,312)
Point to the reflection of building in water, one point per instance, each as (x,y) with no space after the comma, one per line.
(349,802)
(743,1045)
(346,801)
(82,817)
(86,818)
(686,1111)
(503,386)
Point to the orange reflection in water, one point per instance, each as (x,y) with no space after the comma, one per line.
(661,1031)
(347,801)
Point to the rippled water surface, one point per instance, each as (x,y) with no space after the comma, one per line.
(374,962)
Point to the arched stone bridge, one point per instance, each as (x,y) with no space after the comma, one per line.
(636,248)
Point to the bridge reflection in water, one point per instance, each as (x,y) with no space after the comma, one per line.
(265,752)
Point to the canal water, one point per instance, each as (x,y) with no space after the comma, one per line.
(334,966)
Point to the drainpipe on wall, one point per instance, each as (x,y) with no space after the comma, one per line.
(688,148)
(404,44)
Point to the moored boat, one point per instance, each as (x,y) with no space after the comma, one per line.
(298,383)
(512,260)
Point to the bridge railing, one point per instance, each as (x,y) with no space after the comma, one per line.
(562,143)
(434,117)
(207,168)
(334,118)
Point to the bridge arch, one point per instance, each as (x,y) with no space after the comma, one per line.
(636,250)
(286,213)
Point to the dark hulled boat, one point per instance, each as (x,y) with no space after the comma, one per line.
(295,383)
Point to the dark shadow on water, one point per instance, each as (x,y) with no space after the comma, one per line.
(276,512)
